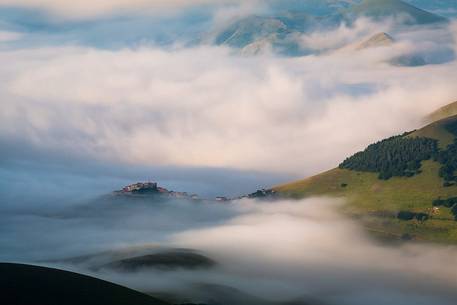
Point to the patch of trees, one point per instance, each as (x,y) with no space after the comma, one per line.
(396,156)
(262,193)
(447,203)
(407,215)
(448,159)
(452,127)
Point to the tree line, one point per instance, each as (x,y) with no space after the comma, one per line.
(448,158)
(396,156)
(401,156)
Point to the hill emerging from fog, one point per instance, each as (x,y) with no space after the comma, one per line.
(280,29)
(403,187)
(170,260)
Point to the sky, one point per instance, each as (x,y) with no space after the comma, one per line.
(95,96)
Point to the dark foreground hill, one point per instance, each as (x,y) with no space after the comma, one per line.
(33,285)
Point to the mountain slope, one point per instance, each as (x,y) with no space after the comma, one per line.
(377,40)
(27,284)
(437,130)
(250,29)
(284,17)
(443,112)
(400,10)
(380,203)
(280,29)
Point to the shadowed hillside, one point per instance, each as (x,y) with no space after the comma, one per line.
(164,261)
(26,285)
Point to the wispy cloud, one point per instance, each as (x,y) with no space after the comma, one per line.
(90,9)
(288,249)
(207,107)
(278,251)
(6,36)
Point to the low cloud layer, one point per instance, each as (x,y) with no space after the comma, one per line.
(290,249)
(277,251)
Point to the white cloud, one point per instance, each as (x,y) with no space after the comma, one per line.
(6,36)
(278,251)
(207,107)
(287,249)
(343,35)
(89,9)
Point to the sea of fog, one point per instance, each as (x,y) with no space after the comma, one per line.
(276,251)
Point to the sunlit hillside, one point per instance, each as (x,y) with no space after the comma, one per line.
(378,202)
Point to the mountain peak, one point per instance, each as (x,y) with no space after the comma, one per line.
(378,40)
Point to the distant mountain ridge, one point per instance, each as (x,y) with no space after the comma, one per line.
(280,28)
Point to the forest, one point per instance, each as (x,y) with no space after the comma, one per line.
(448,158)
(396,156)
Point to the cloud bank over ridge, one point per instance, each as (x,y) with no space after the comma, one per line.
(205,106)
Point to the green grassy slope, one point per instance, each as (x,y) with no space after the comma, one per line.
(376,202)
(437,130)
(444,112)
(27,284)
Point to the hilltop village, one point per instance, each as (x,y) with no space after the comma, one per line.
(151,188)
